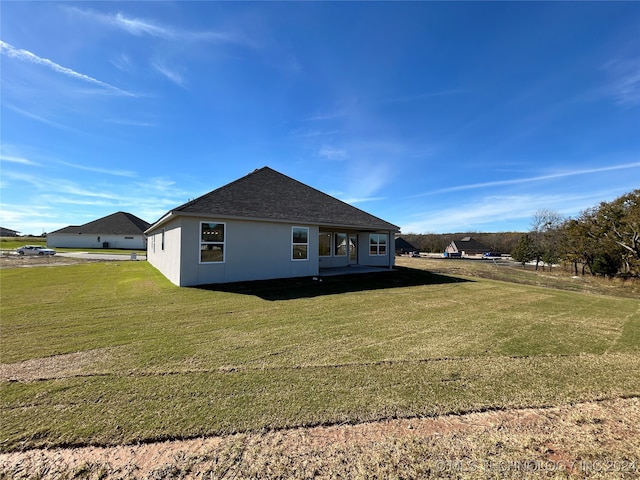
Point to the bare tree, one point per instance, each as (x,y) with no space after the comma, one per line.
(546,230)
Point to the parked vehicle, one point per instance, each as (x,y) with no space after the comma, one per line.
(35,250)
(491,254)
(452,255)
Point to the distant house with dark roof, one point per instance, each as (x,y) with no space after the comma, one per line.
(402,246)
(265,225)
(7,232)
(118,230)
(467,246)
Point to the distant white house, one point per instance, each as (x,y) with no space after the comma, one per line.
(262,226)
(119,230)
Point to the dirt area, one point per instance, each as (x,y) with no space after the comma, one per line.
(588,440)
(12,260)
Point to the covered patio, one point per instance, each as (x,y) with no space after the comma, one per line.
(351,270)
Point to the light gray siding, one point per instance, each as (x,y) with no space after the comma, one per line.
(75,240)
(254,250)
(166,260)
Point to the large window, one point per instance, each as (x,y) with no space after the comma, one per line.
(299,243)
(211,242)
(341,244)
(324,244)
(377,244)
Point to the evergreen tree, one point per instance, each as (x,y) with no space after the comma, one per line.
(525,250)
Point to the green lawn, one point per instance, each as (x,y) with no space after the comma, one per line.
(153,361)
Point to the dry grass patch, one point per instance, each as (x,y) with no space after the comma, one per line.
(58,366)
(588,440)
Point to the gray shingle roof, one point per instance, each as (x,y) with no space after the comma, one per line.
(402,244)
(470,244)
(266,194)
(119,223)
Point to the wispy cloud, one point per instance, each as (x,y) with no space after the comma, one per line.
(20,160)
(119,173)
(538,178)
(624,83)
(496,209)
(27,56)
(333,153)
(122,62)
(140,27)
(148,199)
(50,185)
(170,74)
(40,118)
(32,221)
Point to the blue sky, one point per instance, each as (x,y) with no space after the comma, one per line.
(436,116)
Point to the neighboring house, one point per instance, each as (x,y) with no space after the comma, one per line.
(7,232)
(467,246)
(119,230)
(262,226)
(402,246)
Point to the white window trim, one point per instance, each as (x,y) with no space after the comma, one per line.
(223,243)
(377,244)
(293,244)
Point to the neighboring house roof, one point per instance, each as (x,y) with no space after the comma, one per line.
(7,232)
(119,223)
(402,244)
(266,194)
(469,244)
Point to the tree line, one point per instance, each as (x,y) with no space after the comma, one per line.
(502,242)
(602,240)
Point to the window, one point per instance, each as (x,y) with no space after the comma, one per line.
(377,244)
(126,238)
(211,242)
(162,243)
(341,244)
(299,243)
(324,244)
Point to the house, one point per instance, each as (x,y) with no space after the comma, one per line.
(119,230)
(7,232)
(265,225)
(466,246)
(402,246)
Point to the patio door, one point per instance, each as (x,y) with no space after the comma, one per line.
(353,249)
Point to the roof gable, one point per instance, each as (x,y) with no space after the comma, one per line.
(119,223)
(470,244)
(402,244)
(266,194)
